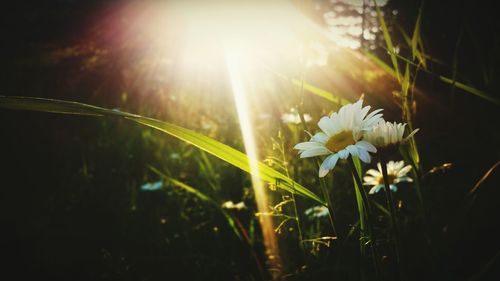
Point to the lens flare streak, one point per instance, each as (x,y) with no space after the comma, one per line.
(234,66)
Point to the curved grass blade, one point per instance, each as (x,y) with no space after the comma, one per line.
(228,154)
(319,92)
(313,89)
(388,40)
(483,178)
(416,32)
(201,196)
(214,147)
(470,90)
(457,84)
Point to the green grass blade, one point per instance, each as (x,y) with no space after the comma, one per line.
(55,106)
(359,200)
(380,63)
(470,90)
(459,85)
(422,58)
(228,154)
(320,92)
(381,208)
(214,147)
(388,40)
(405,86)
(201,196)
(184,186)
(416,33)
(313,89)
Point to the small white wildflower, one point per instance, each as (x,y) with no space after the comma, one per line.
(152,186)
(317,212)
(395,171)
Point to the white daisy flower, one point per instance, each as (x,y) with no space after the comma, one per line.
(341,136)
(395,171)
(386,133)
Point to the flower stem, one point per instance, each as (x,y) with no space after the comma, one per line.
(394,220)
(322,182)
(365,219)
(362,192)
(327,197)
(297,219)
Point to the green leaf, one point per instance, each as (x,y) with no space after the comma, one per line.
(214,147)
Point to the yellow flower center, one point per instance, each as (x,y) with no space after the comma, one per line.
(391,177)
(340,141)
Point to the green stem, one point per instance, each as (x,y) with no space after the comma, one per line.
(326,195)
(394,220)
(322,182)
(359,186)
(301,238)
(365,218)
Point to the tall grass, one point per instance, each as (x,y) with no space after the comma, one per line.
(220,150)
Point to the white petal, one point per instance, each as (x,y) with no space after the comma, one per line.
(374,173)
(404,171)
(393,188)
(364,156)
(326,125)
(320,137)
(390,167)
(370,123)
(307,145)
(398,165)
(369,116)
(363,112)
(366,146)
(343,154)
(403,179)
(375,189)
(315,151)
(369,180)
(410,135)
(401,130)
(353,150)
(328,165)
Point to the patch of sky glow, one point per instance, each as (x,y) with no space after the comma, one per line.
(344,20)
